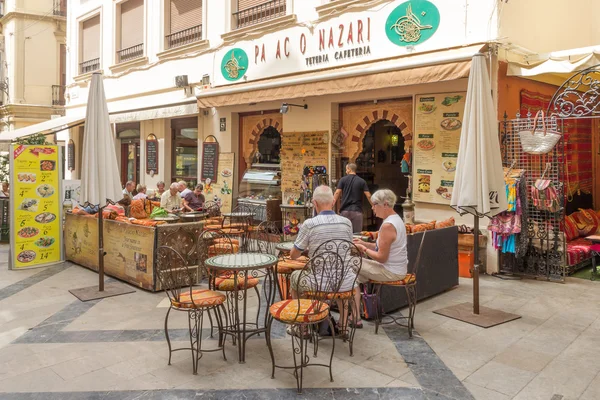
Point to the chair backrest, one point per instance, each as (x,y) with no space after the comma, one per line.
(173,272)
(183,242)
(211,208)
(418,259)
(264,238)
(214,242)
(319,277)
(351,260)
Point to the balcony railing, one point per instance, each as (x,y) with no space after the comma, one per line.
(58,95)
(130,53)
(89,66)
(260,13)
(185,36)
(60,8)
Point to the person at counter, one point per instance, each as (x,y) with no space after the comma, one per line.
(351,189)
(128,191)
(170,200)
(387,257)
(141,192)
(5,191)
(160,189)
(194,201)
(183,189)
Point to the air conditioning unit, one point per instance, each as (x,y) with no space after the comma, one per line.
(181,81)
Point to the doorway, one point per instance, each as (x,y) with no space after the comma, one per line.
(129,137)
(185,151)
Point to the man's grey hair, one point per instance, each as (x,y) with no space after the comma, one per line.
(384,197)
(323,195)
(351,167)
(174,185)
(130,183)
(184,183)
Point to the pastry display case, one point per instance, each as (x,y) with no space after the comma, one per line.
(260,189)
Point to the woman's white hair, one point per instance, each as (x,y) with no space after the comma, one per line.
(384,197)
(323,195)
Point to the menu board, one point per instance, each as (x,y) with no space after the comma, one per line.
(210,160)
(220,191)
(36,234)
(151,154)
(298,150)
(438,123)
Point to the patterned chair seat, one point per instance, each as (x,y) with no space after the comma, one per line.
(287,266)
(226,282)
(199,298)
(222,248)
(227,241)
(299,311)
(332,296)
(409,278)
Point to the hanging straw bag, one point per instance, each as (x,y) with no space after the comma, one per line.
(539,141)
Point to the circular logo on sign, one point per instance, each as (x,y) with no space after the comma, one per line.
(412,22)
(234,64)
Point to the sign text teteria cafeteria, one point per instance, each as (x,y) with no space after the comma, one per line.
(340,42)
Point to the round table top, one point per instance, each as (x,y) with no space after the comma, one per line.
(285,246)
(241,261)
(168,219)
(239,214)
(193,215)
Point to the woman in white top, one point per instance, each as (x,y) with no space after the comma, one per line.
(388,258)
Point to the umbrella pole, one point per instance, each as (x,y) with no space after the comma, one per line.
(476,267)
(100,250)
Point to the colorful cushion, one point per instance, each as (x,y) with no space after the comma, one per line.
(422,227)
(445,223)
(227,241)
(199,298)
(222,248)
(288,266)
(226,282)
(331,296)
(587,222)
(299,311)
(570,228)
(578,250)
(409,278)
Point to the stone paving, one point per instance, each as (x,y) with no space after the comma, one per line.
(52,346)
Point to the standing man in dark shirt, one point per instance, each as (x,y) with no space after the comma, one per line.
(351,188)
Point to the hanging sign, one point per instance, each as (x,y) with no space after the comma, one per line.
(35,225)
(71,155)
(210,159)
(151,154)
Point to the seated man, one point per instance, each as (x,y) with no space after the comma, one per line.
(327,225)
(193,201)
(170,199)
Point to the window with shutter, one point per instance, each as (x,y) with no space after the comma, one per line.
(90,45)
(250,12)
(132,30)
(185,22)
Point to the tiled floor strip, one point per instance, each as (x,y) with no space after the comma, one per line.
(45,273)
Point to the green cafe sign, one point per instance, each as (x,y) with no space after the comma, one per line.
(412,22)
(234,64)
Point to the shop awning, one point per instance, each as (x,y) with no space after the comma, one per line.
(556,67)
(45,128)
(407,70)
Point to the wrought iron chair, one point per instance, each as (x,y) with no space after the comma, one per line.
(178,282)
(410,285)
(216,242)
(348,272)
(318,278)
(264,238)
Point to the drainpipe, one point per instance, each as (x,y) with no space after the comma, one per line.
(24,66)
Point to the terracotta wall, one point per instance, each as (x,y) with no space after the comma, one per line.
(355,119)
(509,91)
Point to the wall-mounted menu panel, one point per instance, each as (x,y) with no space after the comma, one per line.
(210,161)
(438,123)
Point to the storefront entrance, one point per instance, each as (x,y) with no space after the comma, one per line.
(129,136)
(185,150)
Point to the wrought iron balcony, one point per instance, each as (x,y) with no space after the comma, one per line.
(186,36)
(60,8)
(130,53)
(89,66)
(260,13)
(58,95)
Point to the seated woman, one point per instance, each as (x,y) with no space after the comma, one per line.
(388,257)
(141,192)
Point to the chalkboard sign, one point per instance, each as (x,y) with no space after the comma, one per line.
(71,155)
(151,154)
(210,161)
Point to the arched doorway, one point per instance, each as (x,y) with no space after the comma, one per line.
(268,147)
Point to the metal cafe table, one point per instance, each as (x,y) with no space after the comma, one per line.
(241,267)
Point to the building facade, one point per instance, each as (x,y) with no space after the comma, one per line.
(32,62)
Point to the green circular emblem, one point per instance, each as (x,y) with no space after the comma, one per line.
(412,22)
(234,64)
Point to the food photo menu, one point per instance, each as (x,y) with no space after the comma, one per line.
(35,206)
(438,123)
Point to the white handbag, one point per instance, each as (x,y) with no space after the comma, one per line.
(539,141)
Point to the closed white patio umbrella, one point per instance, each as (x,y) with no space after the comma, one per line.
(479,182)
(100,179)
